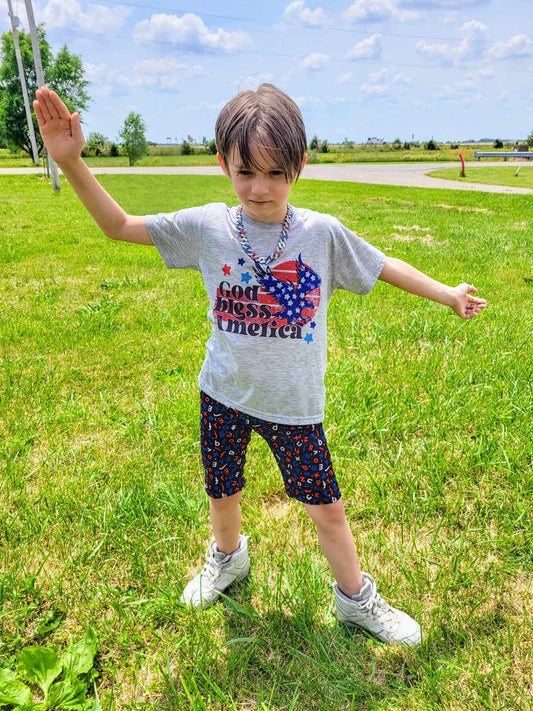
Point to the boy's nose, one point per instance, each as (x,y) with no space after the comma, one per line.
(259,185)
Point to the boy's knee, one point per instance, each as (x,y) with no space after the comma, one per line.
(225,502)
(327,514)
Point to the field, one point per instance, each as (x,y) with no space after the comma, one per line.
(169,156)
(429,419)
(519,175)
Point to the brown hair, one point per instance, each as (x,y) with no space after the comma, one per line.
(270,119)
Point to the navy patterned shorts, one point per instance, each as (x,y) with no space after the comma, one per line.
(301,453)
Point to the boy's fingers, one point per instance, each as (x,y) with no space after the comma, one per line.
(58,107)
(75,127)
(40,118)
(45,104)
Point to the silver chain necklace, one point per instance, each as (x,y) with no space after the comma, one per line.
(282,240)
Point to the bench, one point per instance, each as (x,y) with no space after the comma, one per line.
(503,154)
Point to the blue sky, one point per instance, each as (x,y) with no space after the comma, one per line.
(448,69)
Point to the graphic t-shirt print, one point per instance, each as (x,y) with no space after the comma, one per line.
(278,302)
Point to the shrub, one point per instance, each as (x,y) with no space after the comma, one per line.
(212,147)
(113,150)
(498,143)
(324,148)
(431,146)
(186,149)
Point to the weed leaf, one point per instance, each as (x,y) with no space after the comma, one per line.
(13,692)
(68,694)
(39,665)
(78,658)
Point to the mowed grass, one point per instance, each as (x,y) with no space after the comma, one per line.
(429,421)
(515,175)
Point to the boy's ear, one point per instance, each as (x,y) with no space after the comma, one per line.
(223,165)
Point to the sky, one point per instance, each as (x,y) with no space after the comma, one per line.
(452,70)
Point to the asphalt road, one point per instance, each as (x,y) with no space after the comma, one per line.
(403,174)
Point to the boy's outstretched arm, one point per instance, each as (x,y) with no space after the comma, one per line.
(459,298)
(63,138)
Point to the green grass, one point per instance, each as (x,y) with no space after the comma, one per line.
(103,515)
(517,175)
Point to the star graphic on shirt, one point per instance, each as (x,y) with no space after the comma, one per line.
(246,277)
(226,269)
(309,338)
(241,262)
(313,324)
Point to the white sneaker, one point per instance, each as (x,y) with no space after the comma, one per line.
(219,571)
(374,615)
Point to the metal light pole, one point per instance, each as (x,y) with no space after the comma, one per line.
(40,79)
(14,25)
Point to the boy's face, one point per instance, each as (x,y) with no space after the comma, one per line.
(264,192)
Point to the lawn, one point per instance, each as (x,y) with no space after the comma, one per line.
(516,175)
(428,418)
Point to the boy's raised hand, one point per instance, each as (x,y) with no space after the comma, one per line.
(61,130)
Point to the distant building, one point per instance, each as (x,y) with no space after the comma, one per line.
(375,141)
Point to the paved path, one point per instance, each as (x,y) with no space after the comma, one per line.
(404,174)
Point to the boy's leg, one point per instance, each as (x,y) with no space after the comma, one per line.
(227,556)
(337,544)
(225,517)
(357,601)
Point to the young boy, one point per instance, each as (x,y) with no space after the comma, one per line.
(269,270)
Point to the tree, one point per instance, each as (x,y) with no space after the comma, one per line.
(133,137)
(96,143)
(186,149)
(64,74)
(530,139)
(324,147)
(498,143)
(313,146)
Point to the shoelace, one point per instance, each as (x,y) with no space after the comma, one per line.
(376,605)
(246,246)
(211,569)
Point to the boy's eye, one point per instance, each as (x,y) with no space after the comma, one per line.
(277,172)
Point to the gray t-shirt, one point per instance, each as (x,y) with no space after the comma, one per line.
(267,352)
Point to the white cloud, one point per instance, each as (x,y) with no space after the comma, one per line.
(314,62)
(307,101)
(369,48)
(67,13)
(401,79)
(473,45)
(376,89)
(298,11)
(375,10)
(188,29)
(94,72)
(344,78)
(162,73)
(517,46)
(377,76)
